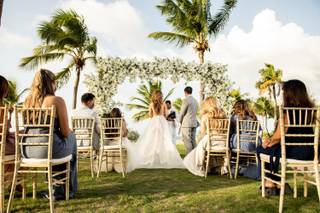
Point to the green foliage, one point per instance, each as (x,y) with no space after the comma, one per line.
(133,135)
(64,36)
(144,100)
(236,95)
(192,22)
(177,104)
(264,107)
(13,95)
(269,77)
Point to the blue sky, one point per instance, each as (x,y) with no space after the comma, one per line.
(284,33)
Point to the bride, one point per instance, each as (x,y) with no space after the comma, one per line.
(155,148)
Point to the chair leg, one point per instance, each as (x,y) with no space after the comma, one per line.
(13,187)
(1,187)
(295,190)
(229,164)
(305,183)
(316,169)
(237,166)
(34,186)
(207,164)
(91,163)
(263,188)
(67,182)
(282,185)
(122,164)
(50,187)
(99,163)
(24,188)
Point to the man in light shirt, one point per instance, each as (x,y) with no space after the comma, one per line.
(86,110)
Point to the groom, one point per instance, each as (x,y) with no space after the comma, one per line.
(188,120)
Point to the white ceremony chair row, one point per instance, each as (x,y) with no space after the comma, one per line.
(302,118)
(218,132)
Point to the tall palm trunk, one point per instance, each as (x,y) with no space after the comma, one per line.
(266,124)
(275,105)
(1,7)
(202,84)
(75,88)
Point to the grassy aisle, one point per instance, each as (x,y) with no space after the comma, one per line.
(167,191)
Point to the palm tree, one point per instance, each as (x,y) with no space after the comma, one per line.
(1,7)
(236,95)
(263,107)
(143,102)
(270,81)
(177,104)
(193,24)
(64,36)
(13,96)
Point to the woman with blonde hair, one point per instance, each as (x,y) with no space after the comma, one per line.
(194,160)
(42,95)
(155,148)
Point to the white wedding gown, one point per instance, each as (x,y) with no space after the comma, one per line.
(155,148)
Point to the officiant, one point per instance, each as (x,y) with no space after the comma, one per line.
(171,118)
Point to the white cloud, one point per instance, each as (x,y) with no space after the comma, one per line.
(286,46)
(118,22)
(10,40)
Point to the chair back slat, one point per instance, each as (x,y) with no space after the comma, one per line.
(111,131)
(304,122)
(34,123)
(247,131)
(218,132)
(3,129)
(83,127)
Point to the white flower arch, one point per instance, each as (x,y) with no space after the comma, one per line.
(112,71)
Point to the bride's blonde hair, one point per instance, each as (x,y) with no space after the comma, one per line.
(41,87)
(210,108)
(157,100)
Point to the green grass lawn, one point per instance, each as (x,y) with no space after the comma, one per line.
(168,191)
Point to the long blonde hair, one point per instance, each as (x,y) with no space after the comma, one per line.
(41,87)
(210,108)
(157,101)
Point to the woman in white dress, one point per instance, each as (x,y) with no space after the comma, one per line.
(194,160)
(155,148)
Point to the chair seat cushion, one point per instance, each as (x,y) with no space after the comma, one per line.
(266,158)
(44,161)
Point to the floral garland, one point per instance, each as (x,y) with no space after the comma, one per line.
(113,71)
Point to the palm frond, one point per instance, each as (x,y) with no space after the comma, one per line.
(35,60)
(142,115)
(171,37)
(220,19)
(64,75)
(169,94)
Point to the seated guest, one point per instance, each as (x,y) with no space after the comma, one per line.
(294,95)
(194,160)
(242,111)
(10,139)
(86,110)
(42,94)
